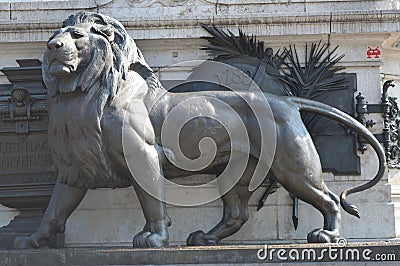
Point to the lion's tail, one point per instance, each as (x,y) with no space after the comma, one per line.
(345,119)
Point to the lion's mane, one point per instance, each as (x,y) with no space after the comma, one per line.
(76,103)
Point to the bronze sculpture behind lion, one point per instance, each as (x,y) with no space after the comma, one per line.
(90,68)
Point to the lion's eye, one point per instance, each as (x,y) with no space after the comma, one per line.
(77,34)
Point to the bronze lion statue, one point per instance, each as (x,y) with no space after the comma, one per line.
(92,69)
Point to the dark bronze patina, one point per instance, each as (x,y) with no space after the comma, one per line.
(86,100)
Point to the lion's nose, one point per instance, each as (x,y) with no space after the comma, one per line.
(55,44)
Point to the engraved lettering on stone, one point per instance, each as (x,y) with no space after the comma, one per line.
(28,154)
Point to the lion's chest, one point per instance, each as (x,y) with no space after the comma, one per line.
(79,145)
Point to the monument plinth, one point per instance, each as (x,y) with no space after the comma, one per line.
(27,173)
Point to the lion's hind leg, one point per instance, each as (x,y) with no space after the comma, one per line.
(235,212)
(298,169)
(329,208)
(322,200)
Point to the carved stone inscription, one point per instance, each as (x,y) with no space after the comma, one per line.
(28,154)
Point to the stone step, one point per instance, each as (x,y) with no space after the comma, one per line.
(395,188)
(395,193)
(396,202)
(343,253)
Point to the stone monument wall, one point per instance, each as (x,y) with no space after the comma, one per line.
(168,32)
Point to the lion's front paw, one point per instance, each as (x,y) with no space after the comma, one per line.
(23,242)
(322,236)
(146,239)
(199,238)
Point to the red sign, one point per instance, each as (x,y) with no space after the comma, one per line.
(373,53)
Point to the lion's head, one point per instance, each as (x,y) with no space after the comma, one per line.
(90,51)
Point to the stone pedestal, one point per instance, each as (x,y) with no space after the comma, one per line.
(27,173)
(310,254)
(24,225)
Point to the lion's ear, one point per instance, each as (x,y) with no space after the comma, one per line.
(141,69)
(106,31)
(140,66)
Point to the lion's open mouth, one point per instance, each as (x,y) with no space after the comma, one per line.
(57,68)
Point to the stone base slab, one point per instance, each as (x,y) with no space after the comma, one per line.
(363,253)
(109,217)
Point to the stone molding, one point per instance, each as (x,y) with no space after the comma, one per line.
(350,22)
(147,3)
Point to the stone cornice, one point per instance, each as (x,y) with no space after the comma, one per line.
(351,22)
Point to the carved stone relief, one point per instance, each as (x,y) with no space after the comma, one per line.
(147,3)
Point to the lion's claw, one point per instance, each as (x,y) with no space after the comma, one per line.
(23,242)
(322,236)
(146,239)
(199,238)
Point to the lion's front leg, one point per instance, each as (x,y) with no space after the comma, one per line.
(144,164)
(155,232)
(64,200)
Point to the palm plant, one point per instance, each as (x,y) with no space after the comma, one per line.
(227,44)
(314,79)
